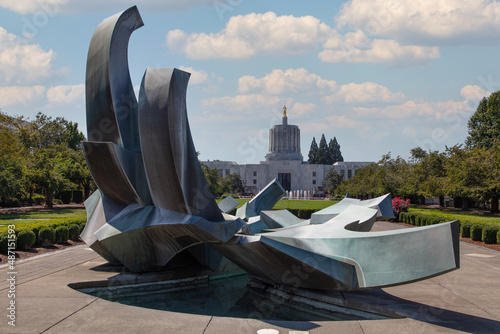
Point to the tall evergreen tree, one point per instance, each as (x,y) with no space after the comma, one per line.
(484,127)
(334,151)
(312,152)
(331,152)
(322,156)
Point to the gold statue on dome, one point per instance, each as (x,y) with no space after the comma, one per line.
(284,111)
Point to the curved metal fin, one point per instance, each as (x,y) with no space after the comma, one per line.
(108,173)
(174,173)
(110,99)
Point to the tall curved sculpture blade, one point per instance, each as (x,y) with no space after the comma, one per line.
(174,173)
(112,114)
(110,98)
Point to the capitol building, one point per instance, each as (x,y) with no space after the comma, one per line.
(284,161)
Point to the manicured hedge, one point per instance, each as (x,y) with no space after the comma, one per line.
(25,239)
(483,231)
(74,231)
(43,233)
(47,236)
(489,235)
(62,234)
(465,229)
(476,232)
(4,239)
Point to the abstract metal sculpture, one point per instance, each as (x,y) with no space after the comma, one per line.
(154,203)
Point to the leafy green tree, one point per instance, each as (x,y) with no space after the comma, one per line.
(45,132)
(322,155)
(332,181)
(334,150)
(73,136)
(417,154)
(474,173)
(45,169)
(12,156)
(74,168)
(386,176)
(313,150)
(213,179)
(431,176)
(484,125)
(235,184)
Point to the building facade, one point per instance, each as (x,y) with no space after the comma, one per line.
(284,161)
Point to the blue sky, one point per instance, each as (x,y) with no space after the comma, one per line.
(381,76)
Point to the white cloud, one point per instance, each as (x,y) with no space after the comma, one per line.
(300,109)
(251,34)
(21,96)
(428,22)
(52,7)
(251,103)
(358,48)
(199,77)
(291,81)
(474,92)
(367,92)
(21,63)
(66,94)
(32,6)
(341,122)
(412,110)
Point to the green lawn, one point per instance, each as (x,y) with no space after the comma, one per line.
(53,214)
(294,204)
(29,218)
(460,215)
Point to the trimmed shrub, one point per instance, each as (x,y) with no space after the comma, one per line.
(465,229)
(47,236)
(4,239)
(74,231)
(305,213)
(62,234)
(476,232)
(490,234)
(498,237)
(411,218)
(417,220)
(36,231)
(434,220)
(25,239)
(82,225)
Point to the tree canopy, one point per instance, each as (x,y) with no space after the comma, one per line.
(41,156)
(313,150)
(325,153)
(484,124)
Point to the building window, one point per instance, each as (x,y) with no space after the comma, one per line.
(227,172)
(342,172)
(349,173)
(314,181)
(254,173)
(254,181)
(220,172)
(314,174)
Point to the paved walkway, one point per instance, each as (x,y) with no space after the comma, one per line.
(465,300)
